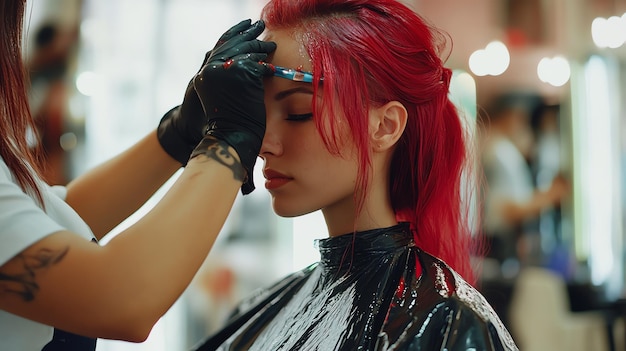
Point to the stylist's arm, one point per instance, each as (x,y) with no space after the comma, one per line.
(120,290)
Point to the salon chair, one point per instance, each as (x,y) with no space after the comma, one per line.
(541,318)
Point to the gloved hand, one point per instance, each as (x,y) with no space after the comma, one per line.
(183,127)
(230,88)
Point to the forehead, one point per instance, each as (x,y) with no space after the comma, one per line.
(289,50)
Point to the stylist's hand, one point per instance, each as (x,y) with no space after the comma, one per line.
(230,87)
(183,127)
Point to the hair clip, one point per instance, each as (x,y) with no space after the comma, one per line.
(292,74)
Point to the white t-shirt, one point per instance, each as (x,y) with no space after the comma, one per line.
(509,180)
(22,223)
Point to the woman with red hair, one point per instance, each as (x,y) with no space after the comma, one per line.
(362,129)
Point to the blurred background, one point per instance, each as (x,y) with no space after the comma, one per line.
(543,83)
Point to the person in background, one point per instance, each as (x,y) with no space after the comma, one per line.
(58,289)
(513,202)
(360,126)
(48,96)
(547,164)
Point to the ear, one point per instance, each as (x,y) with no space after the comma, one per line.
(386,125)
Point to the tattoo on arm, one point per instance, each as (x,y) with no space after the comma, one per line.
(19,276)
(219,151)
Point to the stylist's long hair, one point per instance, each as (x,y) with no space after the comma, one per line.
(370,52)
(15,118)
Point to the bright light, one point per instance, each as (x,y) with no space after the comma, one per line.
(87,83)
(554,71)
(478,63)
(500,57)
(598,28)
(493,60)
(597,152)
(609,33)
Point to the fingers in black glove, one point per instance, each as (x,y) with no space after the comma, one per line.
(230,45)
(183,127)
(230,88)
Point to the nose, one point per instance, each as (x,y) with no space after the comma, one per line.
(271,143)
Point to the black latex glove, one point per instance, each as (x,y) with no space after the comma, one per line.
(230,88)
(183,127)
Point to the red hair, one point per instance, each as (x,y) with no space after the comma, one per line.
(16,121)
(370,52)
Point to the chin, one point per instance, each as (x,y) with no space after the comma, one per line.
(287,211)
(288,214)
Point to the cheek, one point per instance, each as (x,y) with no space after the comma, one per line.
(317,163)
(322,180)
(319,188)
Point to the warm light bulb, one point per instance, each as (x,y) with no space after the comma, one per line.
(554,71)
(493,60)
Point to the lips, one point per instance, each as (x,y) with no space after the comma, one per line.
(274,179)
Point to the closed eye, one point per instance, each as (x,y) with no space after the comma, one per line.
(300,117)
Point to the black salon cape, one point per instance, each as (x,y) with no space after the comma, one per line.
(364,295)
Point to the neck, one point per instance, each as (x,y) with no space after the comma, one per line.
(376,212)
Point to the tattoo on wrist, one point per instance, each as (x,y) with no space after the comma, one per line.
(219,151)
(19,276)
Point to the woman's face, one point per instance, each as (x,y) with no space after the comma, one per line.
(301,174)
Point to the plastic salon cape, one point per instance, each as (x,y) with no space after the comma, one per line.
(364,295)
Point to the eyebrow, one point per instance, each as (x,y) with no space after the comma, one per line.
(283,94)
